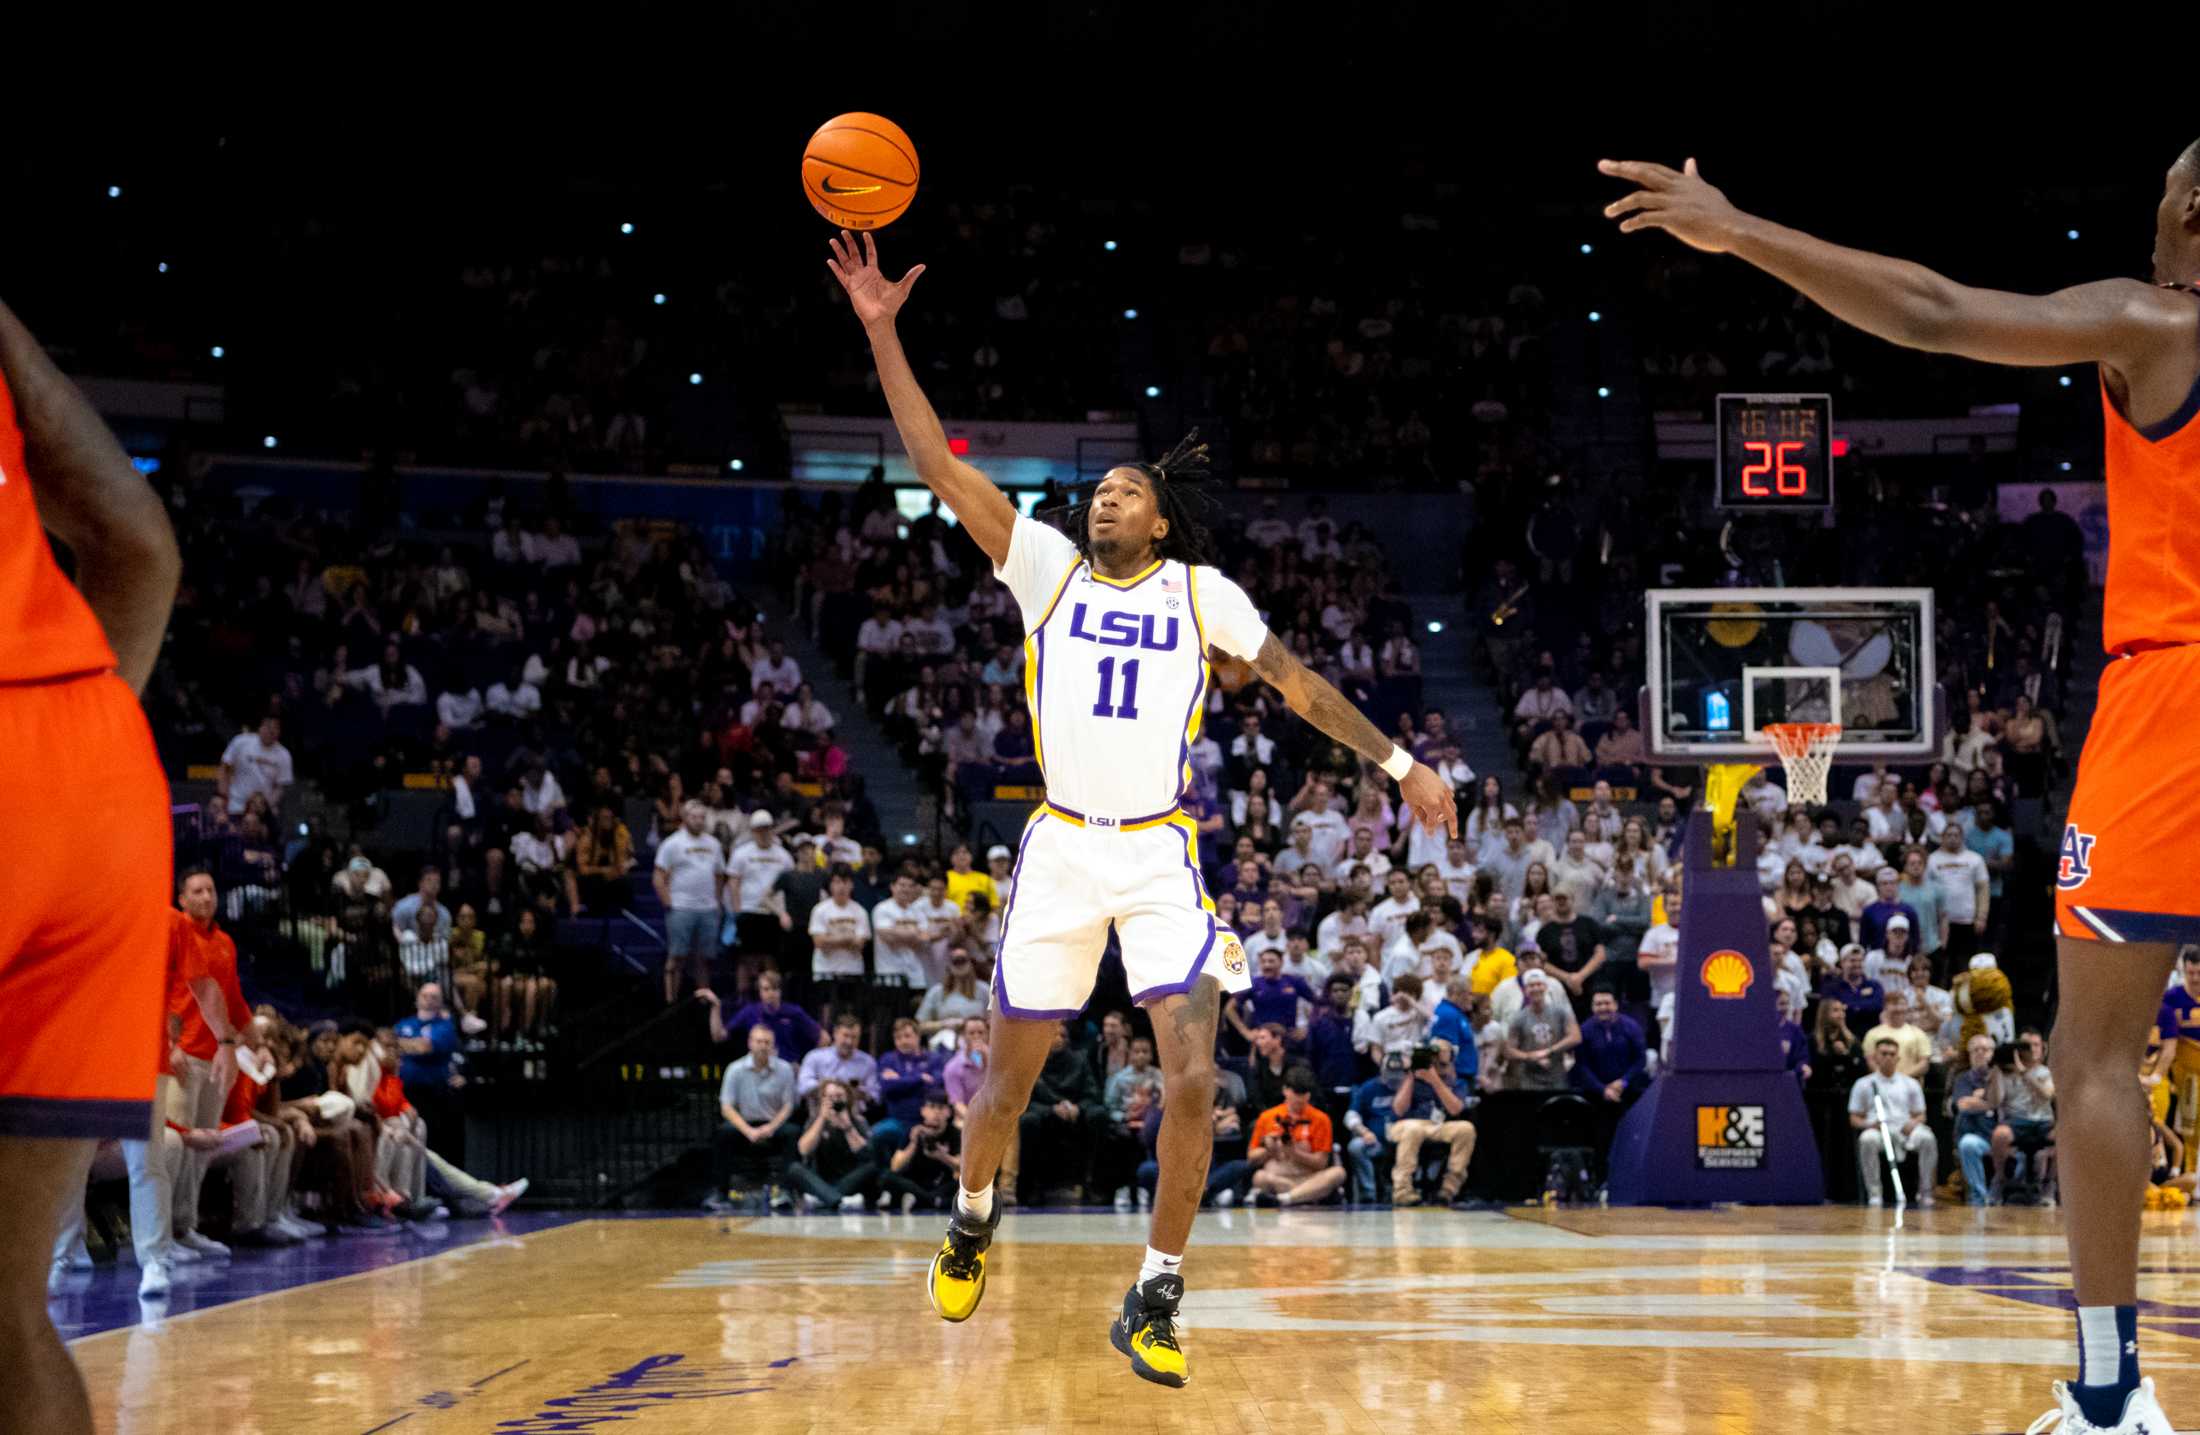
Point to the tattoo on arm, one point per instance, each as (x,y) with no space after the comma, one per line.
(1312,698)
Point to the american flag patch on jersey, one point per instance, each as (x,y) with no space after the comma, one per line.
(1170,585)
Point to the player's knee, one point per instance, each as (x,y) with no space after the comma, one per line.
(1190,1086)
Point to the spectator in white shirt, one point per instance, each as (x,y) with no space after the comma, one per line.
(551,549)
(1249,749)
(256,764)
(518,698)
(904,946)
(690,876)
(1362,853)
(761,705)
(806,713)
(1960,876)
(1345,925)
(1315,811)
(1575,872)
(539,790)
(1387,918)
(1541,703)
(752,876)
(929,632)
(1901,1102)
(834,847)
(877,641)
(1271,937)
(1886,821)
(1271,528)
(1299,960)
(459,709)
(405,916)
(393,682)
(1400,1026)
(839,929)
(781,671)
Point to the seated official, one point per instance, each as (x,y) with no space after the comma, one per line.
(756,1098)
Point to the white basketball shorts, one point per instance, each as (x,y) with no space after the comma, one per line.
(1074,876)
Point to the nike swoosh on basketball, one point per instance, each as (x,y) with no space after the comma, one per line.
(832,188)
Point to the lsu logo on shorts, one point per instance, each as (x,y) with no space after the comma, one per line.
(2074,859)
(1233,956)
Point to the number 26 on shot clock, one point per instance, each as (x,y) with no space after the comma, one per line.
(1775,451)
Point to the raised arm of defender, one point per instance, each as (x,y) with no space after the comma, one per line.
(982,509)
(2123,323)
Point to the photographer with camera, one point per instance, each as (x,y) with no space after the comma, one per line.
(924,1171)
(833,1165)
(1431,1105)
(1293,1151)
(1983,1139)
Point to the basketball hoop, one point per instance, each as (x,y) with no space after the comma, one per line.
(1806,751)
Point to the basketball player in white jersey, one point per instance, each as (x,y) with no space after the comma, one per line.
(1118,627)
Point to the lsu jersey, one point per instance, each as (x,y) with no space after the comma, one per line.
(1115,671)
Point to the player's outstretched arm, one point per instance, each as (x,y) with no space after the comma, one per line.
(92,498)
(980,507)
(1311,697)
(2119,322)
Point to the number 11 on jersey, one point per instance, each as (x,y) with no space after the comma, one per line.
(1105,707)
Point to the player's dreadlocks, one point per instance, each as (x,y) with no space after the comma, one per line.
(1178,495)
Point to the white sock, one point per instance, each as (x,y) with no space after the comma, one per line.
(2097,1345)
(979,1204)
(1158,1264)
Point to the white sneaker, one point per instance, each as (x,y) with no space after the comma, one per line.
(1874,1201)
(179,1254)
(2142,1415)
(810,1203)
(1123,1198)
(205,1245)
(472,1025)
(153,1281)
(1925,1201)
(303,1230)
(1225,1198)
(852,1203)
(506,1195)
(908,1203)
(1145,1199)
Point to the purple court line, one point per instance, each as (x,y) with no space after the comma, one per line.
(388,1423)
(507,1370)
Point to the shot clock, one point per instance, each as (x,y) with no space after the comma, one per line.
(1775,451)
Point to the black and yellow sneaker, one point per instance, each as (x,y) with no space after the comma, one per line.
(956,1282)
(1146,1331)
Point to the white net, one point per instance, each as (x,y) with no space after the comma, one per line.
(1806,751)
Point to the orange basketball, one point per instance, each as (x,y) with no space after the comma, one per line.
(860,171)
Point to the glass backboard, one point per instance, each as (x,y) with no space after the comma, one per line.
(1724,662)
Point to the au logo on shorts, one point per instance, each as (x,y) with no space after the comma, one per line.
(2074,860)
(1730,1138)
(1727,974)
(1233,956)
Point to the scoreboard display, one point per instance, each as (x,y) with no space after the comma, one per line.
(1775,451)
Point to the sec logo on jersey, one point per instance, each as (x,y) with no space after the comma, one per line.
(2074,859)
(1233,956)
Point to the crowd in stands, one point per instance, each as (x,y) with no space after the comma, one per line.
(271,1133)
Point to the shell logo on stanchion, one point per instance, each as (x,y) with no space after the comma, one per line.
(1727,974)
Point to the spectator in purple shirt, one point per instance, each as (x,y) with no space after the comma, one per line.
(906,1076)
(1872,922)
(1858,994)
(1794,1046)
(842,1061)
(1251,890)
(796,1033)
(1609,1065)
(1273,997)
(1329,1048)
(966,1068)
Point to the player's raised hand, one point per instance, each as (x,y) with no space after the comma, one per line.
(1430,800)
(1680,202)
(874,298)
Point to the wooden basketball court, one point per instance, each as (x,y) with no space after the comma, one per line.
(1733,1321)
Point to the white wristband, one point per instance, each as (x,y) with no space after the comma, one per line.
(1398,764)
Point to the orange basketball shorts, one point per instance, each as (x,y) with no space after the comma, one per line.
(2126,868)
(86,863)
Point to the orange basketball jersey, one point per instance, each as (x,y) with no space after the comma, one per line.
(2153,597)
(46,628)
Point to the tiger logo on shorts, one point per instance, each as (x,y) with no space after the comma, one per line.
(1233,956)
(2074,859)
